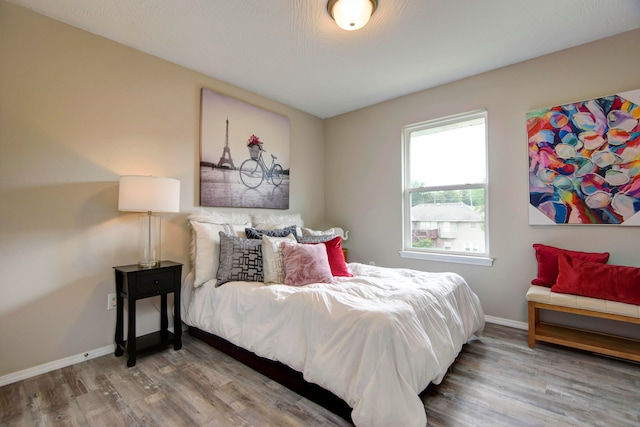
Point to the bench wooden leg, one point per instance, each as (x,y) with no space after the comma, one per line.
(533,321)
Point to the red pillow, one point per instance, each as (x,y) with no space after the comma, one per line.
(591,279)
(336,257)
(547,257)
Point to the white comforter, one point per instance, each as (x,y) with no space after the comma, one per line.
(376,339)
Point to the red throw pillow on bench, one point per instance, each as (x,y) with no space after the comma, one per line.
(591,279)
(547,257)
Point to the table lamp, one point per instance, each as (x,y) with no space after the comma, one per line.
(150,194)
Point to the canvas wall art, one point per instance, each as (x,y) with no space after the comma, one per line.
(244,154)
(584,162)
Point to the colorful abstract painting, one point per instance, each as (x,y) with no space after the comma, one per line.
(584,162)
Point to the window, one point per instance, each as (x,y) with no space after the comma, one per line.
(445,189)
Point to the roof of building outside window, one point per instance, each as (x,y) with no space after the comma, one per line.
(445,212)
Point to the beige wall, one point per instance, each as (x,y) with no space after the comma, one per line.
(364,178)
(76,112)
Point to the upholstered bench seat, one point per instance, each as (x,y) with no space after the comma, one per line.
(541,298)
(544,295)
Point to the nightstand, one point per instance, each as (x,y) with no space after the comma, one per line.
(134,283)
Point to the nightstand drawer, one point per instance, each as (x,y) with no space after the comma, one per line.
(155,283)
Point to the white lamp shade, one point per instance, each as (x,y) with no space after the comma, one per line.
(352,14)
(148,194)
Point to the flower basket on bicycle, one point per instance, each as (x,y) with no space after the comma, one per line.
(254,151)
(255,145)
(253,171)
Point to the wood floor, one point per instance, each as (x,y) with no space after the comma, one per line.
(496,381)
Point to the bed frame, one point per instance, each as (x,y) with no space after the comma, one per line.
(278,372)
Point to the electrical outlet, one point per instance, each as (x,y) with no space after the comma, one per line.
(111,301)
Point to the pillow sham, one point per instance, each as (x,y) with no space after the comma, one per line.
(596,280)
(314,236)
(276,220)
(547,257)
(205,248)
(272,261)
(308,232)
(219,217)
(240,259)
(305,264)
(255,233)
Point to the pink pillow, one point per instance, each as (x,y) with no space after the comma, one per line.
(591,279)
(547,257)
(305,264)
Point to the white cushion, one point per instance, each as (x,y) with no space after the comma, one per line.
(544,295)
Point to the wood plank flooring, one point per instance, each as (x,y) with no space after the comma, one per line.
(496,381)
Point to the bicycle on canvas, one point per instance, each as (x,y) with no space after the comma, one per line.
(254,170)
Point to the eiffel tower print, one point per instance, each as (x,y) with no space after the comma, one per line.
(226,159)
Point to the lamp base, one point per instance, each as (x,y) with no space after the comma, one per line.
(149,243)
(148,264)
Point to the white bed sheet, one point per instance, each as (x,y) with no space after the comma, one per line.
(376,340)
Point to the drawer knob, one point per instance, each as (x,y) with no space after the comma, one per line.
(156,282)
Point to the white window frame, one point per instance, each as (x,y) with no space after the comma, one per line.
(408,251)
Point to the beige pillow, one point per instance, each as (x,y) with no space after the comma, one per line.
(272,261)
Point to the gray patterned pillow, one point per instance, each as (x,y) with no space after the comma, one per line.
(255,233)
(316,239)
(240,259)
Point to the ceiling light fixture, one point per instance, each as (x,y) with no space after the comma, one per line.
(351,14)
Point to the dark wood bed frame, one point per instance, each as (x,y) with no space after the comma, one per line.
(278,372)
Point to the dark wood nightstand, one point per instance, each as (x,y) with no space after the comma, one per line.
(134,283)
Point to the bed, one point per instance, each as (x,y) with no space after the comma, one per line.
(374,337)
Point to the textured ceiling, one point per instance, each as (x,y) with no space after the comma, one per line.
(292,51)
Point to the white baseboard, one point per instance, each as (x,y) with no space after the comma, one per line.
(57,364)
(507,322)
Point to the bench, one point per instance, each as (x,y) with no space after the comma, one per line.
(541,298)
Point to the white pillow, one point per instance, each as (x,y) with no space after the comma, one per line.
(310,232)
(205,247)
(219,217)
(272,261)
(271,221)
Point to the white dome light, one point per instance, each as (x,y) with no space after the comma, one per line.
(351,15)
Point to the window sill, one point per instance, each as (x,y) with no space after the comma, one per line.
(458,259)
